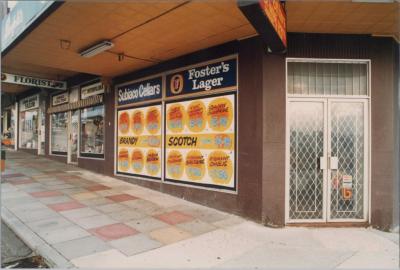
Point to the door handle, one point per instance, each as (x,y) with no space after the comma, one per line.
(333,163)
(322,163)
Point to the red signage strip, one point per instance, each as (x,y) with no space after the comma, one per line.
(268,17)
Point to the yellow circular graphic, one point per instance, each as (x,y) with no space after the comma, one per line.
(220,114)
(152,162)
(137,161)
(195,167)
(137,122)
(175,164)
(123,122)
(219,167)
(176,84)
(123,160)
(153,120)
(176,118)
(196,113)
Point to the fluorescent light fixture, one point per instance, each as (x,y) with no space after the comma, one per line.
(96,49)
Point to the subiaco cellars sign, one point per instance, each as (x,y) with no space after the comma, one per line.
(31,81)
(140,91)
(218,75)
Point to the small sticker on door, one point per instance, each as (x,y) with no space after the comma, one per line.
(347,181)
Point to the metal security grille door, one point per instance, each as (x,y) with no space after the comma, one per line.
(347,153)
(327,166)
(306,131)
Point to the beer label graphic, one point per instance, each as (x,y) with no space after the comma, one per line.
(137,161)
(175,164)
(139,148)
(152,162)
(196,113)
(176,118)
(123,123)
(220,114)
(123,159)
(200,141)
(194,165)
(153,120)
(219,167)
(137,122)
(176,84)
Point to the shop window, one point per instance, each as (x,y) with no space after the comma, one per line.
(29,131)
(59,133)
(329,78)
(92,132)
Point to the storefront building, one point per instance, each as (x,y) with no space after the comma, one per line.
(307,135)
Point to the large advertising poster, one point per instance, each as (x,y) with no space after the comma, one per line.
(139,141)
(200,141)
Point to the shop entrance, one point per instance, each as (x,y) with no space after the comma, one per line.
(327,160)
(73,135)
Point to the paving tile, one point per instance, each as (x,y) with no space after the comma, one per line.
(97,188)
(111,207)
(121,197)
(44,194)
(144,206)
(94,221)
(96,201)
(34,215)
(147,224)
(196,227)
(66,206)
(55,182)
(135,244)
(11,175)
(113,231)
(126,215)
(56,199)
(87,245)
(63,234)
(22,182)
(80,213)
(84,196)
(169,235)
(74,190)
(49,224)
(59,187)
(174,217)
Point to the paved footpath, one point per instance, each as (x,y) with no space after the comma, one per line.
(76,218)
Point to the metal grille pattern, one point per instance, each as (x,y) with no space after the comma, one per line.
(306,146)
(347,143)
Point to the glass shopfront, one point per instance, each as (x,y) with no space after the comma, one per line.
(29,113)
(92,132)
(59,131)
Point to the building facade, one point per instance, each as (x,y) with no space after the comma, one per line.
(307,136)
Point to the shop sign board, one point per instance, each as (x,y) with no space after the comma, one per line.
(200,141)
(139,141)
(60,99)
(268,17)
(92,90)
(143,90)
(204,77)
(29,103)
(31,81)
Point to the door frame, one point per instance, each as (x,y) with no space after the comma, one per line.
(367,98)
(327,101)
(69,138)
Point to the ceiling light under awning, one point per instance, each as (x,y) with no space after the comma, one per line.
(97,48)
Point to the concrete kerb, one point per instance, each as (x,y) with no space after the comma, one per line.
(33,241)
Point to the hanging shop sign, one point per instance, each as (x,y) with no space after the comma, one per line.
(29,103)
(60,99)
(139,141)
(144,90)
(268,17)
(200,141)
(92,90)
(213,76)
(31,81)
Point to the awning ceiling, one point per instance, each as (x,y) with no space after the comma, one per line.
(151,33)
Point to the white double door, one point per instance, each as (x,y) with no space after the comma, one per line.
(327,160)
